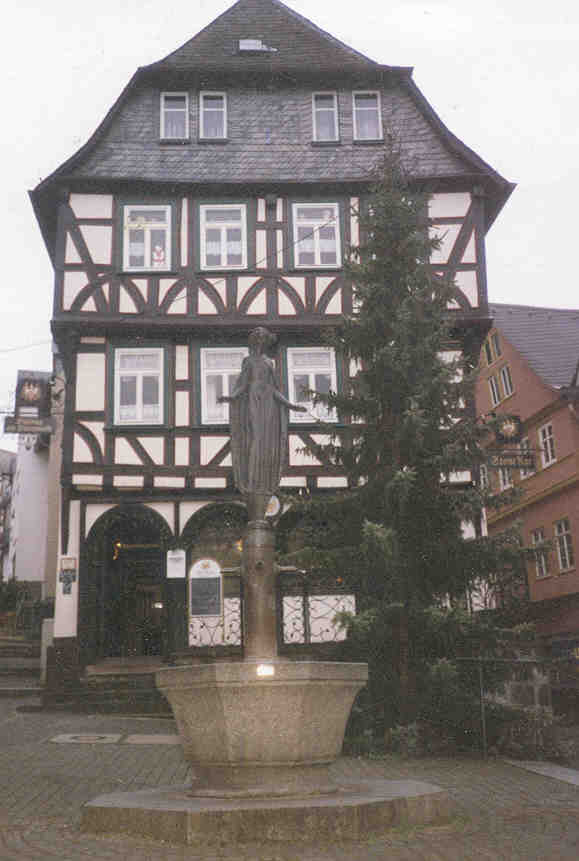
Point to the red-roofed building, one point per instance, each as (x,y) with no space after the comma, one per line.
(529,368)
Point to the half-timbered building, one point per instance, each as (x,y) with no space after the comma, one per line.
(220,192)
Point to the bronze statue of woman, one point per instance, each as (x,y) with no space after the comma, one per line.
(259,426)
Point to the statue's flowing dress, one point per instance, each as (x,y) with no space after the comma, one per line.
(259,426)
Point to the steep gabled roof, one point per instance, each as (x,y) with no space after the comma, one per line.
(294,43)
(548,338)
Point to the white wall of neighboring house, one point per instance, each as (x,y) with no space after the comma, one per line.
(29,513)
(7,465)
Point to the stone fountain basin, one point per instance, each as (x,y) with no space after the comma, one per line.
(261,714)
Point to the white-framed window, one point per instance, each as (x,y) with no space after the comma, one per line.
(483,476)
(317,235)
(506,380)
(564,544)
(311,369)
(174,116)
(505,477)
(220,367)
(146,237)
(213,116)
(488,352)
(496,345)
(367,116)
(495,391)
(547,445)
(541,558)
(138,385)
(325,116)
(525,448)
(223,236)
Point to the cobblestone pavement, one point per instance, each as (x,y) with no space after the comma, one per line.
(504,812)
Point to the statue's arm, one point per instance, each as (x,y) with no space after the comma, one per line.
(240,387)
(284,401)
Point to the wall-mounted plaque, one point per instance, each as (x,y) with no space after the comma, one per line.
(205,592)
(176,568)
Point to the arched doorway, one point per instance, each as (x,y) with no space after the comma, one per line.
(122,601)
(215,532)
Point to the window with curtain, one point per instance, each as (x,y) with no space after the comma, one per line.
(213,116)
(316,235)
(223,236)
(220,368)
(367,119)
(138,385)
(174,116)
(311,369)
(146,238)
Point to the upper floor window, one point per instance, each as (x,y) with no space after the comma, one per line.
(316,235)
(495,391)
(213,116)
(483,474)
(220,368)
(541,558)
(505,477)
(223,236)
(492,348)
(146,237)
(311,369)
(367,118)
(525,448)
(174,116)
(138,385)
(547,445)
(507,381)
(564,544)
(325,116)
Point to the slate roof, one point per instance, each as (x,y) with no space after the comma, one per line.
(295,43)
(548,338)
(272,138)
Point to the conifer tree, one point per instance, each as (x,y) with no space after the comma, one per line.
(413,429)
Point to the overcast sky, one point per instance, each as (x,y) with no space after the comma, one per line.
(502,74)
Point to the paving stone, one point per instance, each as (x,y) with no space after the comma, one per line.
(505,813)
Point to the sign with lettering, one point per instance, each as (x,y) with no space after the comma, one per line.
(205,591)
(511,460)
(176,568)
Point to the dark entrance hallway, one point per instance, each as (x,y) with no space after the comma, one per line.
(123,602)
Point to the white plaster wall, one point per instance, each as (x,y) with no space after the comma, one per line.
(30,508)
(92,205)
(451,205)
(98,238)
(90,381)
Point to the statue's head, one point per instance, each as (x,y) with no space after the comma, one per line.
(260,339)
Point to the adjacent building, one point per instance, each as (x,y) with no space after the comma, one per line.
(220,192)
(529,369)
(7,467)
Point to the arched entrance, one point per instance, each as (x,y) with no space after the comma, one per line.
(123,602)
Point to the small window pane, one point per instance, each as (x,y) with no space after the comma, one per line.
(128,391)
(136,247)
(322,383)
(301,388)
(145,361)
(222,216)
(150,390)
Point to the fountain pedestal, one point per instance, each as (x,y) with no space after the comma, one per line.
(262,728)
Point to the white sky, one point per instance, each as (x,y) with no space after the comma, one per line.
(502,74)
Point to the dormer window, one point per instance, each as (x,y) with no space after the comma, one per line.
(213,116)
(367,116)
(174,116)
(325,117)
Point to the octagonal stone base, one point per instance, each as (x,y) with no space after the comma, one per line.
(262,729)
